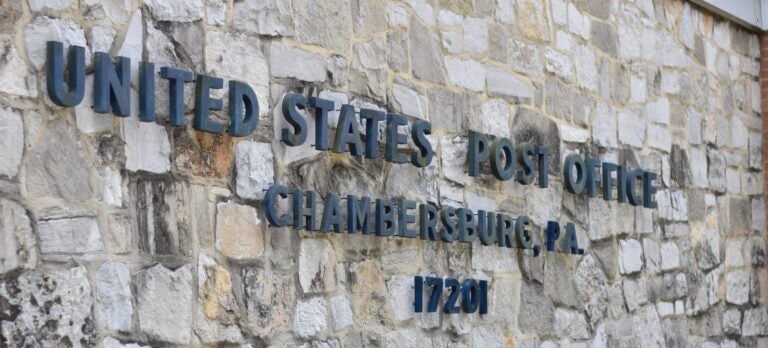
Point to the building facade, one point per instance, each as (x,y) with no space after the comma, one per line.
(135,212)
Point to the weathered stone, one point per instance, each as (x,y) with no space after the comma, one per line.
(317,266)
(254,168)
(43,29)
(426,61)
(216,296)
(634,294)
(586,68)
(732,321)
(49,5)
(670,256)
(449,110)
(11,141)
(631,128)
(475,35)
(368,71)
(292,62)
(532,20)
(465,73)
(271,18)
(203,154)
(737,287)
(647,327)
(176,10)
(705,291)
(397,50)
(409,101)
(62,237)
(146,146)
(165,303)
(51,308)
(57,166)
(558,281)
(755,322)
(16,76)
(401,299)
(109,342)
(310,318)
(163,219)
(367,17)
(407,338)
(211,332)
(239,231)
(604,37)
(18,241)
(630,256)
(716,171)
(591,283)
(604,126)
(524,57)
(114,309)
(536,310)
(333,34)
(369,293)
(496,117)
(739,216)
(507,86)
(570,324)
(341,312)
(529,126)
(269,301)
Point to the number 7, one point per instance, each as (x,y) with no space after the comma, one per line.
(437,291)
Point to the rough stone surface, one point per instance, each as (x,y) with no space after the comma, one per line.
(310,317)
(271,18)
(164,303)
(239,231)
(51,308)
(114,309)
(286,61)
(317,266)
(176,10)
(254,168)
(630,256)
(332,34)
(269,300)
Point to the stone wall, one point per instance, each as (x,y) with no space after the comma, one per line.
(115,232)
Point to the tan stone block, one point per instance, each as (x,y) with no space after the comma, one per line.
(239,231)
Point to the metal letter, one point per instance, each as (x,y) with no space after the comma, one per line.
(403,219)
(372,119)
(506,228)
(571,243)
(467,229)
(331,213)
(428,222)
(503,146)
(418,294)
(271,208)
(523,233)
(304,216)
(292,102)
(574,184)
(112,85)
(394,139)
(525,154)
(419,131)
(632,178)
(203,102)
(608,168)
(448,233)
(544,154)
(385,218)
(592,178)
(486,227)
(469,296)
(146,92)
(321,106)
(71,93)
(553,233)
(176,79)
(649,190)
(477,153)
(347,133)
(242,101)
(358,214)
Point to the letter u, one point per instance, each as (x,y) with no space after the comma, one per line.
(71,93)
